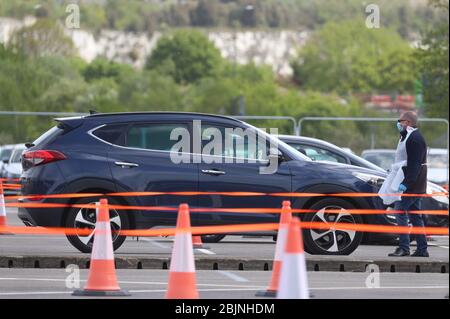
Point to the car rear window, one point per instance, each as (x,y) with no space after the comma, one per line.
(51,134)
(111,133)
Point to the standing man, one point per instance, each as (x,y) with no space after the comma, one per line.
(411,148)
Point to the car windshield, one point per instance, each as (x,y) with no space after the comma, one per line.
(437,161)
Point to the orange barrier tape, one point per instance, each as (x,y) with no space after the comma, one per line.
(242,194)
(56,196)
(24,230)
(9,180)
(11,186)
(228,210)
(232,229)
(123,194)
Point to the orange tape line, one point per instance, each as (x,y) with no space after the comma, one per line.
(243,194)
(9,179)
(232,229)
(272,194)
(228,210)
(39,197)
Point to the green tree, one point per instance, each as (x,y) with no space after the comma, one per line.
(102,68)
(433,58)
(191,53)
(347,57)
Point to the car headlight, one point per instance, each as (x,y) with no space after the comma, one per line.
(374,180)
(433,188)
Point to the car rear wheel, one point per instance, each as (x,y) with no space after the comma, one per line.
(332,241)
(84,218)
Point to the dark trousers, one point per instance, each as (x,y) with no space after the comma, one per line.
(410,204)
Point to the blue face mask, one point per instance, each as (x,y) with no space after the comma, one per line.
(400,127)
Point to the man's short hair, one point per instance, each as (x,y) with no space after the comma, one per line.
(411,117)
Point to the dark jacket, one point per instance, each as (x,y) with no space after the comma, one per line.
(416,169)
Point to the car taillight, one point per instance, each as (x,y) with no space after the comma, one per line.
(35,158)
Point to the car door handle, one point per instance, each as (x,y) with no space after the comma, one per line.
(126,165)
(212,172)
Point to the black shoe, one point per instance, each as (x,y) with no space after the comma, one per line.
(399,252)
(420,254)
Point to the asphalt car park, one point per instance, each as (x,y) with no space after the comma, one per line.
(33,283)
(152,284)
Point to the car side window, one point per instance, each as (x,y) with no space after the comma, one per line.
(233,143)
(319,154)
(153,136)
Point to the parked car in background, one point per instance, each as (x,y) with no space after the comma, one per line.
(437,160)
(322,150)
(14,167)
(383,158)
(5,155)
(319,150)
(438,166)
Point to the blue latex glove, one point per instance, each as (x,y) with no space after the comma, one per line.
(402,188)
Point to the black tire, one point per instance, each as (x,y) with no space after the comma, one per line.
(324,241)
(89,216)
(212,238)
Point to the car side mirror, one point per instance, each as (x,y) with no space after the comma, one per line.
(5,161)
(276,154)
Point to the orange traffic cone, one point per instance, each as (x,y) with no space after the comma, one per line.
(102,280)
(182,280)
(285,218)
(197,242)
(3,221)
(293,276)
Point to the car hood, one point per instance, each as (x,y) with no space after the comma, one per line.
(351,168)
(326,172)
(437,175)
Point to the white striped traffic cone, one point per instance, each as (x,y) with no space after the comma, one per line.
(293,277)
(102,279)
(182,279)
(285,218)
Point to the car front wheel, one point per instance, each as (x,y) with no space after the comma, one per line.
(332,241)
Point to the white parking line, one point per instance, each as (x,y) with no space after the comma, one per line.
(35,293)
(205,251)
(432,245)
(233,276)
(129,282)
(154,242)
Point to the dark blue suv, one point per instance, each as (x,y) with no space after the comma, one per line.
(131,152)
